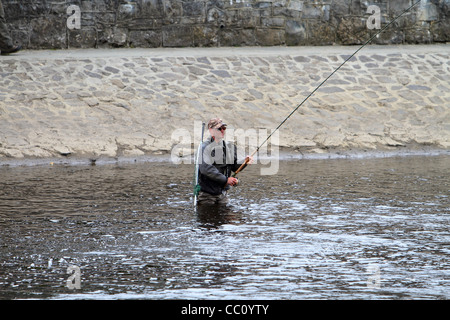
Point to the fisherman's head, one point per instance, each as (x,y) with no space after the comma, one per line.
(217,128)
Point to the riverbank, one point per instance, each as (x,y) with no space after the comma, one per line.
(105,105)
(283,156)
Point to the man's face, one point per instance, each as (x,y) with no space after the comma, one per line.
(218,133)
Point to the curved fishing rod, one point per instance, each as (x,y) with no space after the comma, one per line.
(323,82)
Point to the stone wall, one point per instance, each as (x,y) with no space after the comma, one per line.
(102,103)
(198,23)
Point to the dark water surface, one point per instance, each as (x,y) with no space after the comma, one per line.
(319,229)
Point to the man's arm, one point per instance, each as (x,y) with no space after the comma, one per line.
(212,173)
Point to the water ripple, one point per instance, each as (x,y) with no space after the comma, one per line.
(319,229)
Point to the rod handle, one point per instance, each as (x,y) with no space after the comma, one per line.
(244,164)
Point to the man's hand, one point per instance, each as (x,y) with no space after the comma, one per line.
(248,159)
(232,181)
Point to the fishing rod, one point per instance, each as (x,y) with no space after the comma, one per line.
(322,83)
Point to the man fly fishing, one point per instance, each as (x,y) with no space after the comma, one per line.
(220,157)
(217,162)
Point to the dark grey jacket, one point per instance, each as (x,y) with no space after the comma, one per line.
(216,164)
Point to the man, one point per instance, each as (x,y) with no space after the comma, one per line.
(219,160)
(6,44)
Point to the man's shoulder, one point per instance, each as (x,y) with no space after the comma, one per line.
(229,144)
(206,143)
(213,144)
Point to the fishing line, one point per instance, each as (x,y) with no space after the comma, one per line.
(326,79)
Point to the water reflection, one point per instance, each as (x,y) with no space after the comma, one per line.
(212,215)
(319,229)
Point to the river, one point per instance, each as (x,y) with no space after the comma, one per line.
(363,228)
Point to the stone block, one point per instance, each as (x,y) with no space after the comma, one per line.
(396,7)
(48,33)
(345,7)
(321,33)
(237,37)
(273,22)
(195,8)
(85,38)
(428,11)
(392,36)
(296,33)
(126,11)
(296,5)
(177,36)
(118,37)
(217,17)
(142,24)
(351,30)
(172,9)
(249,18)
(312,11)
(292,9)
(145,38)
(149,9)
(104,18)
(270,37)
(440,30)
(416,35)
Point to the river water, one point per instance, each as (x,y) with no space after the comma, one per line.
(368,228)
